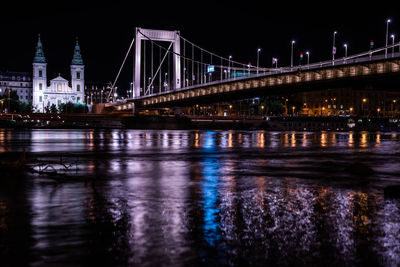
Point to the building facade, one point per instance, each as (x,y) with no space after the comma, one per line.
(59,90)
(19,82)
(96,93)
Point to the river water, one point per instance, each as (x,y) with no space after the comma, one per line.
(200,198)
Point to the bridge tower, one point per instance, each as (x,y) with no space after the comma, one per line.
(156,35)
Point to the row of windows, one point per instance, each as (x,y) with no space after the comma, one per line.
(21,84)
(15,78)
(78,87)
(78,99)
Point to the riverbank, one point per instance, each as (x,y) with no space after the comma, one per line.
(158,122)
(267,123)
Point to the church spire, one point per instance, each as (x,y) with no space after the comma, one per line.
(39,55)
(77,58)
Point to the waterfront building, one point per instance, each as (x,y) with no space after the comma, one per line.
(59,90)
(348,101)
(19,82)
(96,93)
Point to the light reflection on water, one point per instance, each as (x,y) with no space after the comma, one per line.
(204,198)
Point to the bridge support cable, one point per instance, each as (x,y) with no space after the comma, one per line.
(201,65)
(159,67)
(152,79)
(144,65)
(159,76)
(192,78)
(184,66)
(119,72)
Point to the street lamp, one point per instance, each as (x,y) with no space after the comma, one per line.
(345,52)
(275,61)
(308,58)
(392,36)
(258,57)
(291,57)
(364,100)
(229,66)
(333,48)
(387,34)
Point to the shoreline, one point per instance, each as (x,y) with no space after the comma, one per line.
(158,122)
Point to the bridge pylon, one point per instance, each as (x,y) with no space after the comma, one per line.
(156,35)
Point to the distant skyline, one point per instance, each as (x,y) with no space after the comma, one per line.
(105,30)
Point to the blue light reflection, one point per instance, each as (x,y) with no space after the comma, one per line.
(210,170)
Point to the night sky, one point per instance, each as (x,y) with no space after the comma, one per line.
(105,30)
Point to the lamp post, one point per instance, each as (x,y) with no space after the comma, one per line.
(364,100)
(291,57)
(345,52)
(392,36)
(131,90)
(258,57)
(393,107)
(387,35)
(308,59)
(229,67)
(165,81)
(286,109)
(275,61)
(333,48)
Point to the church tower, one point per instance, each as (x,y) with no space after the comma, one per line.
(78,75)
(39,77)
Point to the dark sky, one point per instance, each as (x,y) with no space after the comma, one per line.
(237,28)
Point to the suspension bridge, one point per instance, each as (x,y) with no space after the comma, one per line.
(182,73)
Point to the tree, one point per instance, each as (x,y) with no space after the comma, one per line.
(47,109)
(53,109)
(61,108)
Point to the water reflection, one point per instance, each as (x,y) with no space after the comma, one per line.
(205,198)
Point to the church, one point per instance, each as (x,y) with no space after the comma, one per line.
(59,90)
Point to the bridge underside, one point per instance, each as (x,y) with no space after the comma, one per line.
(380,75)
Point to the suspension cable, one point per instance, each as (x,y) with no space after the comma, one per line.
(120,69)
